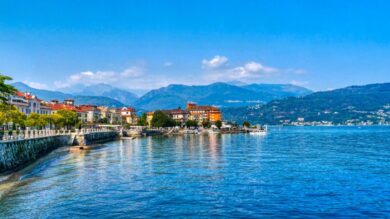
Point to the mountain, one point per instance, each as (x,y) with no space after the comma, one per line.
(103,90)
(79,99)
(218,94)
(355,104)
(278,91)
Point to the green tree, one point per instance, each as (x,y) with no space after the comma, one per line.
(103,121)
(5,89)
(246,124)
(69,118)
(206,123)
(9,113)
(142,121)
(57,120)
(191,123)
(160,119)
(218,124)
(36,120)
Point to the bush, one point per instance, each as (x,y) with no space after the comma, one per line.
(191,123)
(160,119)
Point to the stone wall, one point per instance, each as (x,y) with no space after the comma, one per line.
(94,138)
(18,153)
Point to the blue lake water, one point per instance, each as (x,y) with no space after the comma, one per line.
(293,171)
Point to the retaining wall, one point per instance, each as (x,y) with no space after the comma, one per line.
(16,154)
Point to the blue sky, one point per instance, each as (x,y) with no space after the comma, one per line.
(147,44)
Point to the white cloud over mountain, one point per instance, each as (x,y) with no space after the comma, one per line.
(216,69)
(216,62)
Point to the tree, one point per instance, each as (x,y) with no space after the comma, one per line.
(218,124)
(9,113)
(103,121)
(142,121)
(5,89)
(36,120)
(246,124)
(57,120)
(69,118)
(160,119)
(206,123)
(191,123)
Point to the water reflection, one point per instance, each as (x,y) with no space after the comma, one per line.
(290,172)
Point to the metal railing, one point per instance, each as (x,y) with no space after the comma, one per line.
(30,134)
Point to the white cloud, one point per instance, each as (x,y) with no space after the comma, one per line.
(257,67)
(168,64)
(89,77)
(215,62)
(251,70)
(248,72)
(36,85)
(108,77)
(132,72)
(134,77)
(299,83)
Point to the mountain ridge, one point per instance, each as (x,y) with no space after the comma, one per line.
(103,90)
(219,94)
(79,99)
(351,104)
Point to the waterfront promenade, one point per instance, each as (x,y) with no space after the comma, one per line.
(20,149)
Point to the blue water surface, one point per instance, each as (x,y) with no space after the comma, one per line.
(291,172)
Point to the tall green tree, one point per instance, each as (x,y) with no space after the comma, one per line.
(246,124)
(5,89)
(218,124)
(58,120)
(69,118)
(142,121)
(160,119)
(206,123)
(36,120)
(191,123)
(9,113)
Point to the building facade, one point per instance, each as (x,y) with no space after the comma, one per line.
(28,103)
(129,115)
(203,113)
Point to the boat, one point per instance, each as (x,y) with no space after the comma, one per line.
(214,131)
(190,131)
(259,130)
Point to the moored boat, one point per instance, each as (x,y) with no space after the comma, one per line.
(259,130)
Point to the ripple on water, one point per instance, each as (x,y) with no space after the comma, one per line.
(301,171)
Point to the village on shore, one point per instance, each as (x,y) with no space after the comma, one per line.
(40,114)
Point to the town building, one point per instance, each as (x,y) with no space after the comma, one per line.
(28,103)
(129,115)
(179,115)
(203,113)
(93,113)
(112,116)
(20,103)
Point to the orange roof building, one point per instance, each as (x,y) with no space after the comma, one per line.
(201,113)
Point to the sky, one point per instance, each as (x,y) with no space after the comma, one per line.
(146,44)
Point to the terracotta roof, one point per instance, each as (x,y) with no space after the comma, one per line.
(127,109)
(61,106)
(87,107)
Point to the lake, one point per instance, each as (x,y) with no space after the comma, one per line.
(292,171)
